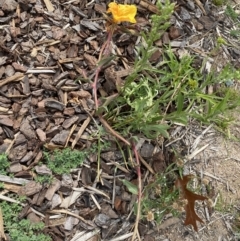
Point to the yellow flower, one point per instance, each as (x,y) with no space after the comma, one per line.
(122,13)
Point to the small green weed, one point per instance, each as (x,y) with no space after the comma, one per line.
(159,198)
(222,206)
(236,226)
(235,33)
(4,164)
(231,13)
(21,230)
(219,2)
(44,179)
(62,161)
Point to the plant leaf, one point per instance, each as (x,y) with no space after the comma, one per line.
(191,216)
(131,187)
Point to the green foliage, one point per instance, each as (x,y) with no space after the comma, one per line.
(231,13)
(219,2)
(235,33)
(155,97)
(159,197)
(228,73)
(4,164)
(44,179)
(21,230)
(62,161)
(222,206)
(173,94)
(130,187)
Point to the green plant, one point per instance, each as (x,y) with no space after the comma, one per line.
(235,33)
(62,161)
(160,198)
(21,230)
(155,97)
(219,2)
(172,94)
(231,13)
(4,164)
(44,179)
(222,206)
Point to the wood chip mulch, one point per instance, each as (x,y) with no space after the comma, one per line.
(48,55)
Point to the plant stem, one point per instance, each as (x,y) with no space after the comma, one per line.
(94,86)
(139,191)
(109,128)
(105,52)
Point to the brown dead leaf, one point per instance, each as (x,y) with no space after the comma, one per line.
(191,216)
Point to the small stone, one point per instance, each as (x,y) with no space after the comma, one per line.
(102,220)
(190,4)
(147,150)
(9,71)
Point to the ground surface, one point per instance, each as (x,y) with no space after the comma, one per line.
(219,166)
(43,107)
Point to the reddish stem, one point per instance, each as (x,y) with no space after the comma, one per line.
(94,86)
(105,51)
(139,191)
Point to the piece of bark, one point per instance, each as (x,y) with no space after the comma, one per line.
(49,5)
(52,189)
(30,188)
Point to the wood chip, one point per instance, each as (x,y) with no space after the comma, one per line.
(49,5)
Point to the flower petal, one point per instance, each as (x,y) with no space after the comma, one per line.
(122,12)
